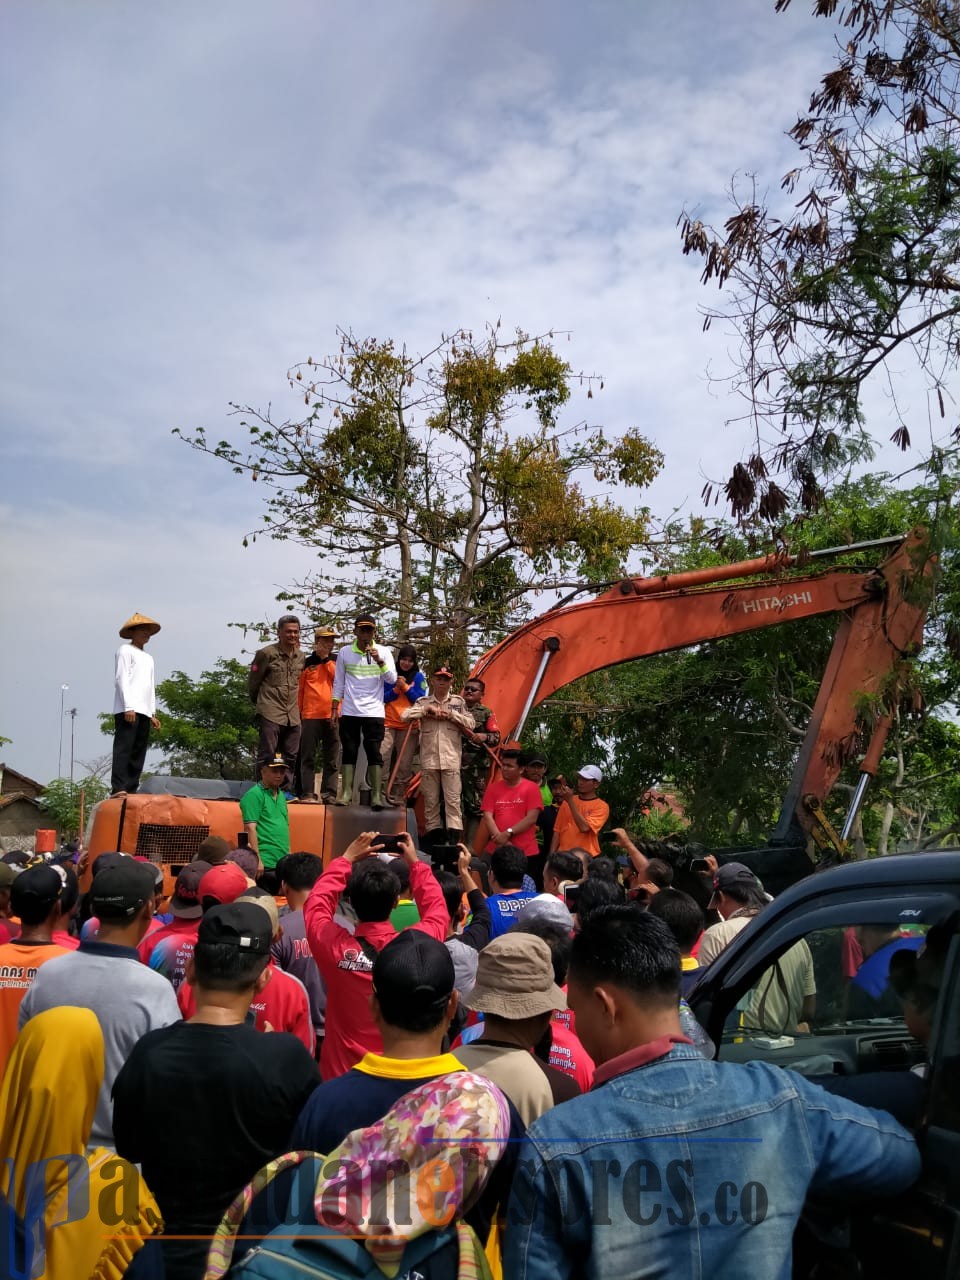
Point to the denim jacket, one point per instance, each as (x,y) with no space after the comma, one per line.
(686,1167)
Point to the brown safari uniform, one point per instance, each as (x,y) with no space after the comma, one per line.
(273,683)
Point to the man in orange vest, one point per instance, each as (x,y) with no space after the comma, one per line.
(315,700)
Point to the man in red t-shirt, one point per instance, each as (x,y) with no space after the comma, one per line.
(510,808)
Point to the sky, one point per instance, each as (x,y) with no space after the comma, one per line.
(196,196)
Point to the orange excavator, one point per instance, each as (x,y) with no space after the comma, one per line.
(880,611)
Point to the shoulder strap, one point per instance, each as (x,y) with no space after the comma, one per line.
(777,974)
(368,949)
(224,1238)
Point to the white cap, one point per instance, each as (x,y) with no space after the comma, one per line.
(592,772)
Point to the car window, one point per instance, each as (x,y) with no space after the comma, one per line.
(828,982)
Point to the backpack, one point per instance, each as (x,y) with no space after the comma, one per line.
(308,1249)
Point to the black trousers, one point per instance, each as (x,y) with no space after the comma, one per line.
(130,743)
(284,738)
(324,734)
(370,729)
(535,865)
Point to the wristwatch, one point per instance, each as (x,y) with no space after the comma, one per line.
(509,831)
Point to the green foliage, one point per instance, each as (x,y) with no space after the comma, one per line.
(60,800)
(440,490)
(657,822)
(208,726)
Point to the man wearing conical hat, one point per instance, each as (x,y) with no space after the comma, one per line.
(134,704)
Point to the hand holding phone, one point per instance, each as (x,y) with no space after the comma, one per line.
(571,895)
(392,846)
(445,857)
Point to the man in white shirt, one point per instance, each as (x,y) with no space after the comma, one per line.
(134,704)
(362,670)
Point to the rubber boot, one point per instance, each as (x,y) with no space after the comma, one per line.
(375,776)
(345,794)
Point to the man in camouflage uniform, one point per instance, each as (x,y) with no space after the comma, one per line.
(475,760)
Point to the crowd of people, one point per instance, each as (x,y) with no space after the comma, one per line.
(479,1074)
(314,712)
(406,1063)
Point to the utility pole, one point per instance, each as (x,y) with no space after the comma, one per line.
(63,690)
(73,721)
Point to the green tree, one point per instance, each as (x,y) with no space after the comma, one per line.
(441,490)
(207,725)
(843,290)
(61,800)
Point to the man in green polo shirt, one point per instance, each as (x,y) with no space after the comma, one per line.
(264,810)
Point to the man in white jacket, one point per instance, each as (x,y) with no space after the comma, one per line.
(362,670)
(134,704)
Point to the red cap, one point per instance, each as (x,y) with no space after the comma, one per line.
(224,883)
(444,671)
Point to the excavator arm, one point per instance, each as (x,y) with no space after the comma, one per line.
(881,623)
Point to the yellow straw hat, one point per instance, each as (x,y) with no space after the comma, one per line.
(138,620)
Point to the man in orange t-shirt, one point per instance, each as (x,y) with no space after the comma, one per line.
(317,727)
(35,898)
(581,813)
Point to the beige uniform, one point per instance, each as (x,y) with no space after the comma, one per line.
(440,751)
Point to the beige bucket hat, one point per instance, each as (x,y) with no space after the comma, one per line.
(138,620)
(515,978)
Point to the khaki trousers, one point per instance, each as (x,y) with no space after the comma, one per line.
(432,782)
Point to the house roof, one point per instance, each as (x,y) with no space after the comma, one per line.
(13,796)
(7,772)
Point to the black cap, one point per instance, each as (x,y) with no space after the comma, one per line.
(734,873)
(36,889)
(104,861)
(118,893)
(237,924)
(185,902)
(413,974)
(366,620)
(533,757)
